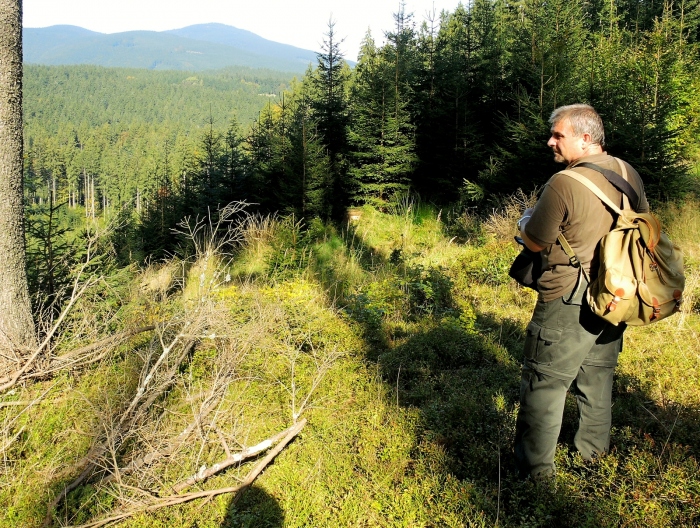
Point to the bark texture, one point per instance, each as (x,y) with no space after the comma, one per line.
(16,325)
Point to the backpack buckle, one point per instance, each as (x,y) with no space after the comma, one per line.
(612,305)
(655,310)
(678,296)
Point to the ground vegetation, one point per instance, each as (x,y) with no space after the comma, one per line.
(377,364)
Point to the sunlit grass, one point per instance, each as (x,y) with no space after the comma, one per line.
(418,339)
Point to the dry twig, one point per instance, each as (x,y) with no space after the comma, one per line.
(163,502)
(204,473)
(209,405)
(147,393)
(14,378)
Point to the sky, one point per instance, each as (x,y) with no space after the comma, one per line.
(300,23)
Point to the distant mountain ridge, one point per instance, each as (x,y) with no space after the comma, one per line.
(198,47)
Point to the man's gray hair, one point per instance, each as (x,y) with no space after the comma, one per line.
(584,120)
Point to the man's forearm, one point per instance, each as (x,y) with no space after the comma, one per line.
(532,246)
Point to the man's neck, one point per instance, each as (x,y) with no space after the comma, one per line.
(591,151)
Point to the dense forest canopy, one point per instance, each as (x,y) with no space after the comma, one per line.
(454,108)
(91,96)
(122,131)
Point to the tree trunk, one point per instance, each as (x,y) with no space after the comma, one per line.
(16,325)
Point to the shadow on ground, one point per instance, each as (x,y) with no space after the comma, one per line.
(254,509)
(462,372)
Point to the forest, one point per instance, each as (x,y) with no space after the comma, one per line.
(451,108)
(225,261)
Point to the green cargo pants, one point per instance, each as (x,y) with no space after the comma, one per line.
(566,345)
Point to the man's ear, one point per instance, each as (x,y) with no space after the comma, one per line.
(586,137)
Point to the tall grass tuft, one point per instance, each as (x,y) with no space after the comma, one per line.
(502,220)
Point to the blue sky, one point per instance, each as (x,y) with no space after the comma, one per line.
(297,22)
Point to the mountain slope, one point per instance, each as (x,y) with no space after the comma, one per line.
(209,46)
(244,40)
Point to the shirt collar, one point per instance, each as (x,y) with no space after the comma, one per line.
(593,158)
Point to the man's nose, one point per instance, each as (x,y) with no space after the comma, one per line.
(551,142)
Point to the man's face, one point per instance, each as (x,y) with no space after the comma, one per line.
(567,147)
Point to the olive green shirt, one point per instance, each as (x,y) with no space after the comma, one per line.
(567,206)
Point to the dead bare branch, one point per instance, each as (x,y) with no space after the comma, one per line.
(253,451)
(208,406)
(137,409)
(109,341)
(83,356)
(29,362)
(180,499)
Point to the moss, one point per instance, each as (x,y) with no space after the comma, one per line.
(408,374)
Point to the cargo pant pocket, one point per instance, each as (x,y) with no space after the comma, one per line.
(541,344)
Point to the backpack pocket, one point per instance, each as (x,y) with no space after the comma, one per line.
(613,296)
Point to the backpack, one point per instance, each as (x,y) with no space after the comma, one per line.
(640,275)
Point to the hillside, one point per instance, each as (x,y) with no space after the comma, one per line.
(273,363)
(381,362)
(56,96)
(194,48)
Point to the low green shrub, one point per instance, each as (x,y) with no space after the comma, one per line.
(489,264)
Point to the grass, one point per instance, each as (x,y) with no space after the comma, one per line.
(401,345)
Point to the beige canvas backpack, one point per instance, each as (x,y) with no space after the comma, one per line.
(640,277)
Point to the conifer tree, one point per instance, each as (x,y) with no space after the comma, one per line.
(381,132)
(262,162)
(16,325)
(235,169)
(330,109)
(547,41)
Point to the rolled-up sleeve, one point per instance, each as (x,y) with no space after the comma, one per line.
(547,217)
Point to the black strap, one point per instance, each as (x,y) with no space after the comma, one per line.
(618,181)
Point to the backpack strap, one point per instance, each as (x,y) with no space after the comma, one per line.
(619,182)
(575,262)
(594,189)
(607,201)
(625,198)
(573,259)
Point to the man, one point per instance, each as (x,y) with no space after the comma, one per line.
(567,346)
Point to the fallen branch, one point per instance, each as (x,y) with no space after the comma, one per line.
(107,341)
(156,455)
(250,452)
(81,357)
(180,499)
(15,377)
(145,396)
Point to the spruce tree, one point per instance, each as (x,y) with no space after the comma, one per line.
(330,110)
(16,325)
(381,131)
